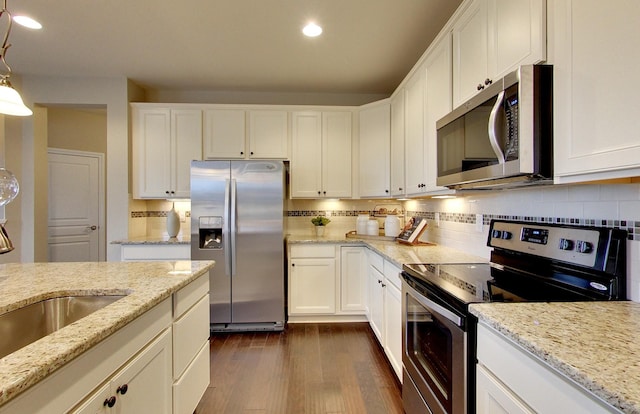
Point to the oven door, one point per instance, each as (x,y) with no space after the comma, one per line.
(434,355)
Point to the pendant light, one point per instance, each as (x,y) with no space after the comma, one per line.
(10,100)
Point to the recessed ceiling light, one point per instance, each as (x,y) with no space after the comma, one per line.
(27,22)
(312,30)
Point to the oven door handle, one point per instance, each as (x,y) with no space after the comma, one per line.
(431,305)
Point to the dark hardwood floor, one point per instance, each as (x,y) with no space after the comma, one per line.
(308,368)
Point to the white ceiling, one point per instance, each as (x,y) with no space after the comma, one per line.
(367,47)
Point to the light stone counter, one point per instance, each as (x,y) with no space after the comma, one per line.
(155,240)
(597,344)
(145,283)
(397,253)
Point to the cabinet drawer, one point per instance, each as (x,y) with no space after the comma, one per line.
(392,274)
(188,334)
(156,252)
(328,250)
(189,389)
(375,260)
(189,295)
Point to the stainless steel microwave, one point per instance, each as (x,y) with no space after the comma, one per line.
(503,136)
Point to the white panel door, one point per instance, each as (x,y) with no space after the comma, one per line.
(336,154)
(306,155)
(74,207)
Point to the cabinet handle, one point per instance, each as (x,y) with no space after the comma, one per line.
(122,389)
(488,81)
(379,281)
(111,401)
(480,86)
(384,285)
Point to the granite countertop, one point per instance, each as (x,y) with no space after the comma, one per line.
(155,240)
(596,344)
(146,284)
(397,253)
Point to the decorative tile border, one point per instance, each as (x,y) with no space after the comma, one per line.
(153,214)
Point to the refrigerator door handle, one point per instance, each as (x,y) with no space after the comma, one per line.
(234,225)
(225,230)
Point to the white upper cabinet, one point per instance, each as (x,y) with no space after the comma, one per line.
(375,130)
(268,134)
(594,50)
(438,103)
(224,134)
(397,145)
(321,154)
(164,142)
(492,38)
(414,133)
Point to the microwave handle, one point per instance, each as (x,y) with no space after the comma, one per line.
(493,135)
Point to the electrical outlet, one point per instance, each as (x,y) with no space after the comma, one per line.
(436,218)
(479,223)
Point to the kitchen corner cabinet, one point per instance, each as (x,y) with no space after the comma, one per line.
(414,132)
(353,291)
(164,142)
(135,369)
(375,136)
(492,38)
(397,145)
(245,134)
(593,47)
(321,154)
(511,380)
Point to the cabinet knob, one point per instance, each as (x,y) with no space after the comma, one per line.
(480,87)
(488,81)
(379,281)
(241,152)
(293,265)
(324,193)
(319,192)
(122,389)
(110,402)
(251,153)
(386,191)
(399,188)
(384,285)
(166,192)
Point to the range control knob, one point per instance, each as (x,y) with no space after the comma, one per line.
(584,246)
(566,244)
(496,234)
(506,235)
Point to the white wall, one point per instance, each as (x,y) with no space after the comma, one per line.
(113,93)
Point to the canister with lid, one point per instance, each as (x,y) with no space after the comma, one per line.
(373,228)
(391,226)
(361,224)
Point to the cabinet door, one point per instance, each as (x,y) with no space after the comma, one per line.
(96,403)
(470,58)
(312,286)
(152,157)
(517,34)
(393,327)
(376,302)
(438,103)
(353,280)
(595,86)
(306,155)
(144,385)
(414,133)
(224,134)
(186,128)
(336,154)
(397,145)
(268,134)
(492,397)
(375,136)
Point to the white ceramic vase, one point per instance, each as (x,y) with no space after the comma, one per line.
(173,222)
(320,231)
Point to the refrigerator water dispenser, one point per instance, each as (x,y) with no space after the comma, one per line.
(210,230)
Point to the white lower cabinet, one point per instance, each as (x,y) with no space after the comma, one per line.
(512,380)
(134,369)
(353,291)
(143,385)
(138,252)
(376,297)
(312,279)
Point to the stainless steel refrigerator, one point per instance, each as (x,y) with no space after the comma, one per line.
(237,220)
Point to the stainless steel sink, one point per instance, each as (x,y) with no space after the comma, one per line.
(20,327)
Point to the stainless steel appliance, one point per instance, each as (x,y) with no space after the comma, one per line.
(237,220)
(529,262)
(502,136)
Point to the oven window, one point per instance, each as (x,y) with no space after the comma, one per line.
(430,346)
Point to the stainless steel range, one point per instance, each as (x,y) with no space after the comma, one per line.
(529,262)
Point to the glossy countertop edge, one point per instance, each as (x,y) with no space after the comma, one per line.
(147,285)
(574,351)
(396,253)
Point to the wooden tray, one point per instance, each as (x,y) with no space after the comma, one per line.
(354,235)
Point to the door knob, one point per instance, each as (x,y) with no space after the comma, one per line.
(92,228)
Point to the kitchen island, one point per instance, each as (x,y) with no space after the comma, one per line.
(592,344)
(147,286)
